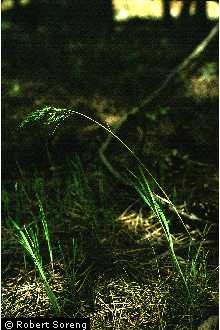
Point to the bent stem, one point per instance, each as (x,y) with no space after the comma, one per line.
(56,116)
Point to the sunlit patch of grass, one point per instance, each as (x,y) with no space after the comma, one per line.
(154,304)
(204,84)
(126,304)
(144,226)
(148,229)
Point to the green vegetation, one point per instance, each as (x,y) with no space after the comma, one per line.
(190,276)
(182,285)
(129,240)
(29,240)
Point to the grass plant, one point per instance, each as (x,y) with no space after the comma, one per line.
(192,275)
(143,188)
(54,117)
(29,239)
(69,262)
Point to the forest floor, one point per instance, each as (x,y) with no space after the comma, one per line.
(111,257)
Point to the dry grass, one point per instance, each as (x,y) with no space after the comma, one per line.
(24,295)
(122,304)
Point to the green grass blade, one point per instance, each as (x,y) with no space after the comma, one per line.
(30,243)
(46,231)
(143,188)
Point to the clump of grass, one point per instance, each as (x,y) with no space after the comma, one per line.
(143,188)
(69,263)
(29,239)
(53,117)
(197,275)
(37,234)
(193,274)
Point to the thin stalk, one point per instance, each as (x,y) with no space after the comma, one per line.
(55,116)
(108,129)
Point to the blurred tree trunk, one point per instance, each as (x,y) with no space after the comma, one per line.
(17,4)
(184,15)
(200,14)
(200,10)
(166,11)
